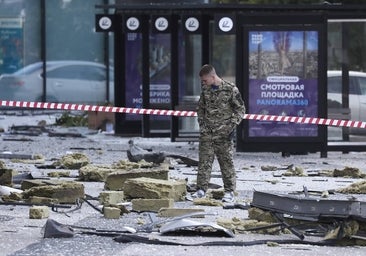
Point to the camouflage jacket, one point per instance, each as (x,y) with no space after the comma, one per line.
(220,109)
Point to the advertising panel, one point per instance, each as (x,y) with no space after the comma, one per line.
(283,80)
(160,84)
(11,45)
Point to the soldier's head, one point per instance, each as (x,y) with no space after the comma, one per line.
(207,74)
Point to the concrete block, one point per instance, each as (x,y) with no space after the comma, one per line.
(27,184)
(95,172)
(111,212)
(151,205)
(39,212)
(107,198)
(122,207)
(99,172)
(66,192)
(42,200)
(149,188)
(174,212)
(116,180)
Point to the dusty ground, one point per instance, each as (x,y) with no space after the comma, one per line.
(20,235)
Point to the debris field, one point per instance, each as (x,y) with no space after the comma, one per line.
(77,191)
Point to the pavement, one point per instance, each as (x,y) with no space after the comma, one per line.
(20,235)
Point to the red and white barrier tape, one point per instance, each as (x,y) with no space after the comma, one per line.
(162,112)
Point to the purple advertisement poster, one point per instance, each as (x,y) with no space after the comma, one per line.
(283,80)
(160,91)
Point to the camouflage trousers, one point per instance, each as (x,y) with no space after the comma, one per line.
(223,149)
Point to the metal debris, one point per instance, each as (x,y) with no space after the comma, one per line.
(326,215)
(136,154)
(10,155)
(192,226)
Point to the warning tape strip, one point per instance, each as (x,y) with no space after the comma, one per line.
(162,112)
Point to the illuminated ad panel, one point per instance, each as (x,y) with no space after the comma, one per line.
(283,81)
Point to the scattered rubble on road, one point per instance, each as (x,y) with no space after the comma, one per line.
(145,187)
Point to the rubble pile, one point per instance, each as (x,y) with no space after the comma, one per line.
(146,189)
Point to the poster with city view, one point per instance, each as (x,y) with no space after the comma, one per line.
(283,81)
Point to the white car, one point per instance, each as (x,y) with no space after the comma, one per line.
(67,81)
(357,95)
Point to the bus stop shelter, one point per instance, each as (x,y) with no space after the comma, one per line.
(280,63)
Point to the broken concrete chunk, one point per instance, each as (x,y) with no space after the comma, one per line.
(294,171)
(42,200)
(116,180)
(349,172)
(27,184)
(151,205)
(73,161)
(12,197)
(120,206)
(100,172)
(5,190)
(39,212)
(255,213)
(66,192)
(107,198)
(2,165)
(355,188)
(150,188)
(6,176)
(59,174)
(128,165)
(216,193)
(111,212)
(238,225)
(175,212)
(207,202)
(95,172)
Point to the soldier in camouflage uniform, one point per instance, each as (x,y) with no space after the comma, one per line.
(220,109)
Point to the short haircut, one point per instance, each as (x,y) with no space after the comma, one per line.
(207,69)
